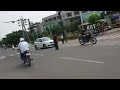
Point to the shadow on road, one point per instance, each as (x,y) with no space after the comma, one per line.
(87,44)
(21,66)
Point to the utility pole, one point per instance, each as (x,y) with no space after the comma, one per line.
(21,22)
(81,17)
(59,14)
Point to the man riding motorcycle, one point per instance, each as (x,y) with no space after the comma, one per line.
(23,46)
(85,34)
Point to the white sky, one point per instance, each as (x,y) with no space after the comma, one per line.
(6,16)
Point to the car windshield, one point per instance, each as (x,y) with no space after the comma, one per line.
(46,39)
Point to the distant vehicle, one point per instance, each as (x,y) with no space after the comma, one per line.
(43,42)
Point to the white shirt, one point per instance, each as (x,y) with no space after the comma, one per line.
(61,36)
(23,46)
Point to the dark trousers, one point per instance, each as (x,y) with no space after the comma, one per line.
(83,38)
(56,46)
(65,38)
(23,55)
(62,40)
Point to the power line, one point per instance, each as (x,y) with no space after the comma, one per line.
(22,22)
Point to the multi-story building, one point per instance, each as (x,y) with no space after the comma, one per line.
(50,21)
(68,17)
(38,27)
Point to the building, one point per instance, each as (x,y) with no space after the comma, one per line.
(112,17)
(50,21)
(67,17)
(38,27)
(86,14)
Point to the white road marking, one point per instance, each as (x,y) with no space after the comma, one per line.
(3,57)
(82,60)
(111,44)
(17,53)
(11,55)
(38,54)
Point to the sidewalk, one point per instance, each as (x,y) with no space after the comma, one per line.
(115,30)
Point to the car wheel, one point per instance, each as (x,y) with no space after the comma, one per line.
(44,46)
(36,47)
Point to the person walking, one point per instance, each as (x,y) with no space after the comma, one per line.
(62,39)
(65,36)
(13,47)
(56,42)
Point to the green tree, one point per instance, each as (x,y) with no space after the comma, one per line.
(56,29)
(94,18)
(74,26)
(12,38)
(45,33)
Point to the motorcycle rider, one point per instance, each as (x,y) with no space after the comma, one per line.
(83,34)
(23,46)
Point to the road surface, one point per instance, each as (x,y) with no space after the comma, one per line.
(72,61)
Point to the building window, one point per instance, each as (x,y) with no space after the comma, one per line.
(54,18)
(69,14)
(58,17)
(84,11)
(50,19)
(47,29)
(63,16)
(45,20)
(76,12)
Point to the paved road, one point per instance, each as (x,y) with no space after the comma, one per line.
(72,61)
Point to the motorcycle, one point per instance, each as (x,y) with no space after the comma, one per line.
(27,58)
(87,38)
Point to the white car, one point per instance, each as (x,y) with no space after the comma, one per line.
(43,42)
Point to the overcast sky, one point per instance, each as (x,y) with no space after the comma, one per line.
(5,16)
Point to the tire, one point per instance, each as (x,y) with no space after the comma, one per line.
(44,46)
(36,47)
(28,61)
(93,40)
(81,42)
